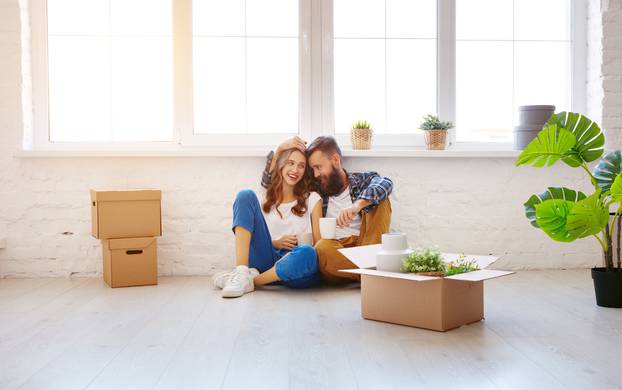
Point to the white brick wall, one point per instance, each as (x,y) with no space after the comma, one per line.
(611,72)
(470,205)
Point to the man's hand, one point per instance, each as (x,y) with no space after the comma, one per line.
(346,216)
(288,241)
(295,142)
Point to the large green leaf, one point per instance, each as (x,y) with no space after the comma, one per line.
(550,193)
(551,144)
(616,188)
(590,139)
(551,216)
(607,169)
(588,216)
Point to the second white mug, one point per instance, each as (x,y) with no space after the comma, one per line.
(328,228)
(304,239)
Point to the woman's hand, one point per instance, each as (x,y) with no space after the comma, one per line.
(287,241)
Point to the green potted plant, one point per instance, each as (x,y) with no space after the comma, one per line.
(429,261)
(435,132)
(361,134)
(425,261)
(566,215)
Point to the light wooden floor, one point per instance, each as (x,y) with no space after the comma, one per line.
(542,331)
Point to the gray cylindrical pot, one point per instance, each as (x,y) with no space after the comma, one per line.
(524,135)
(531,119)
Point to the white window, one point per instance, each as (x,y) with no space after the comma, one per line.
(229,73)
(110,78)
(245,66)
(385,63)
(509,53)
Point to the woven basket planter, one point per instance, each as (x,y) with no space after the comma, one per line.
(361,138)
(435,139)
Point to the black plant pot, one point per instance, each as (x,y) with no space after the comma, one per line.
(608,287)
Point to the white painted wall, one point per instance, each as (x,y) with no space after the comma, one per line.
(471,205)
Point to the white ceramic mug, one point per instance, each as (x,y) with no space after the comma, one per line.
(328,228)
(304,239)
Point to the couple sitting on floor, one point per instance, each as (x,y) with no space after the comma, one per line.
(266,234)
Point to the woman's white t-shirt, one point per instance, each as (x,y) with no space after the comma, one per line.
(290,223)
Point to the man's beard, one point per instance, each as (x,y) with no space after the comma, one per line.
(334,185)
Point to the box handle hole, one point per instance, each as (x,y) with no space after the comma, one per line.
(134,252)
(93,204)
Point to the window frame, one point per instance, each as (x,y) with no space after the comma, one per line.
(316,93)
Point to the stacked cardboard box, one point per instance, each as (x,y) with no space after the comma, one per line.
(127,222)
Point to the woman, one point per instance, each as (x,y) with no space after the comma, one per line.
(288,210)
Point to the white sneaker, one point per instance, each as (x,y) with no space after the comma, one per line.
(239,283)
(220,279)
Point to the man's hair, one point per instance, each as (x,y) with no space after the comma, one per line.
(326,145)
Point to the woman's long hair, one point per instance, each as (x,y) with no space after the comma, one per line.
(274,192)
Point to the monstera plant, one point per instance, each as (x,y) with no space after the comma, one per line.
(565,214)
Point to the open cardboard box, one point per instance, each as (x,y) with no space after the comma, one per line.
(437,303)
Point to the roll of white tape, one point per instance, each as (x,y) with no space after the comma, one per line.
(394,241)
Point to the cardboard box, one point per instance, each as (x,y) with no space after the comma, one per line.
(130,261)
(437,303)
(126,213)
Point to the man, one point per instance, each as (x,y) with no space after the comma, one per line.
(359,202)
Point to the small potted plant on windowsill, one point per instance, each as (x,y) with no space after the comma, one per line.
(435,132)
(360,135)
(566,215)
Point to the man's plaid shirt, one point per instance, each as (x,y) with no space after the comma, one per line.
(364,185)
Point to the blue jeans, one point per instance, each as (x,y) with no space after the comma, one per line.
(296,269)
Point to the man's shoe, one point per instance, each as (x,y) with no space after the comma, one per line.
(239,283)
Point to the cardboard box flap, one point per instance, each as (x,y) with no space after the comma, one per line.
(130,243)
(362,256)
(394,275)
(116,195)
(476,276)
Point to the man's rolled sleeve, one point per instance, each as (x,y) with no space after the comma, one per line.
(378,189)
(266,177)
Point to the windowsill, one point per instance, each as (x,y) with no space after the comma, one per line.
(452,152)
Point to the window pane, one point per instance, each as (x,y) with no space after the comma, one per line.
(245,66)
(79,89)
(411,19)
(411,83)
(141,17)
(272,85)
(484,91)
(94,17)
(219,85)
(384,73)
(542,20)
(272,18)
(521,56)
(359,83)
(359,18)
(484,19)
(218,17)
(142,89)
(110,70)
(542,76)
